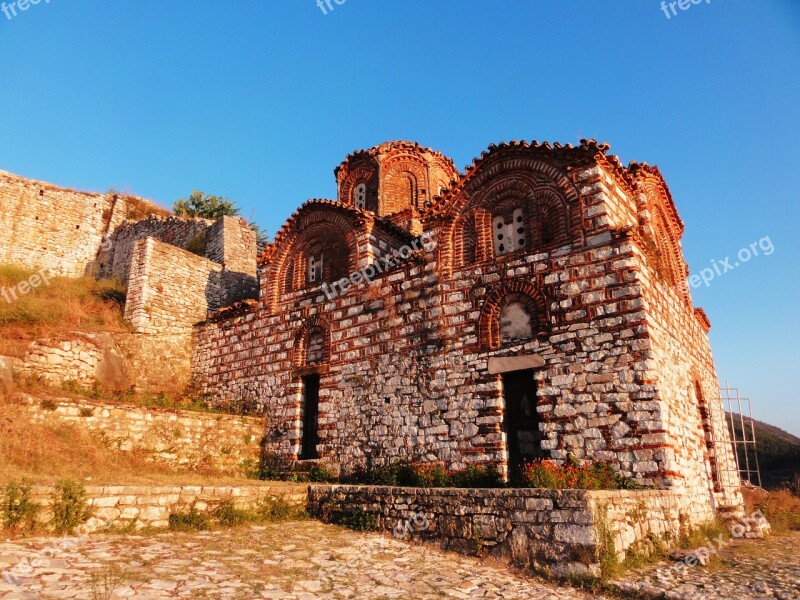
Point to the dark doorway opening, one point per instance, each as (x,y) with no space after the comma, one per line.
(310,417)
(521,422)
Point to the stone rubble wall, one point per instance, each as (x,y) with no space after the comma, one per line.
(175,231)
(45,226)
(139,507)
(170,289)
(557,531)
(181,439)
(114,361)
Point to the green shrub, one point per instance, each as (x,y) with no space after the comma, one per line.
(428,475)
(321,474)
(356,519)
(189,520)
(277,510)
(47,404)
(229,516)
(69,507)
(477,477)
(18,508)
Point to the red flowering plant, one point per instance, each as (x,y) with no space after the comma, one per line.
(576,475)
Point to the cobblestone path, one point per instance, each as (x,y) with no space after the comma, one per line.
(302,560)
(308,560)
(748,569)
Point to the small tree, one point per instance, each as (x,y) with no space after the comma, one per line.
(205,206)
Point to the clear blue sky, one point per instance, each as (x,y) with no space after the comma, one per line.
(260,100)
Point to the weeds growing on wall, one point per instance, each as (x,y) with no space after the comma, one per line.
(70,508)
(549,474)
(427,475)
(266,510)
(19,511)
(357,519)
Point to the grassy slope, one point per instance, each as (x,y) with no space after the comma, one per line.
(53,310)
(45,454)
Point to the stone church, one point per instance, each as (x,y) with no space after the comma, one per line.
(533,305)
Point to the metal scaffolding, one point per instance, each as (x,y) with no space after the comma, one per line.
(741,436)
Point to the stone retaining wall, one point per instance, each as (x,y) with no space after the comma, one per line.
(182,439)
(561,532)
(147,506)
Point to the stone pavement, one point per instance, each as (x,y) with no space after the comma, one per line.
(748,569)
(309,560)
(301,560)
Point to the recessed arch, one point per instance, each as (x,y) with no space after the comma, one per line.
(525,297)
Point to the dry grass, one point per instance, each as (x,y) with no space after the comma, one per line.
(47,454)
(781,507)
(53,310)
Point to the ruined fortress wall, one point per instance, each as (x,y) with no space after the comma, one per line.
(170,289)
(175,231)
(232,243)
(45,226)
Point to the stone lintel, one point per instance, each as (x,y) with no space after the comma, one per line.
(508,364)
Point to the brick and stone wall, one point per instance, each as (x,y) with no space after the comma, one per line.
(45,226)
(561,532)
(150,506)
(412,365)
(177,438)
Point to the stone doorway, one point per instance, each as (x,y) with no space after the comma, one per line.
(520,422)
(310,417)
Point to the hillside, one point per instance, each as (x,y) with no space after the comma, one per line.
(778,454)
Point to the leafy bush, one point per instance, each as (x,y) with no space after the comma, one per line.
(573,475)
(229,516)
(189,520)
(277,510)
(356,519)
(428,475)
(18,508)
(321,474)
(69,507)
(477,477)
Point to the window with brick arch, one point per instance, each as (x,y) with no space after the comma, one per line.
(360,196)
(323,259)
(510,231)
(518,319)
(315,346)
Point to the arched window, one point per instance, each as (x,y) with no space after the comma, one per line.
(315,346)
(409,188)
(466,241)
(360,196)
(510,231)
(516,323)
(513,312)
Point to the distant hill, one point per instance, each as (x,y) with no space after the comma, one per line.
(778,453)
